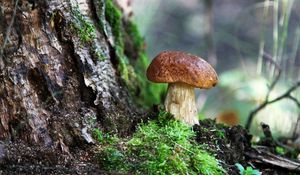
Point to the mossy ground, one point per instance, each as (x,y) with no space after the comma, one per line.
(166,146)
(160,146)
(227,143)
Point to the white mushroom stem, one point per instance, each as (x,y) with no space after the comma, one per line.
(180,101)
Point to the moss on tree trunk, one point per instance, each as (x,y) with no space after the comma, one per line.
(67,67)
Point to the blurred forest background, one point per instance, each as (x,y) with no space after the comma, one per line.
(248,42)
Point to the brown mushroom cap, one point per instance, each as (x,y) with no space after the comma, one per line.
(176,66)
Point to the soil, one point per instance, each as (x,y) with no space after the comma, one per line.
(233,145)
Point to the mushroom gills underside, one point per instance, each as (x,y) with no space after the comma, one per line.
(180,101)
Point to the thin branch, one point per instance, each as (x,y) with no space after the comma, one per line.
(296,128)
(267,101)
(263,156)
(295,100)
(287,94)
(271,87)
(269,58)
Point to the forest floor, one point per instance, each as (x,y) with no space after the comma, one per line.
(234,148)
(231,145)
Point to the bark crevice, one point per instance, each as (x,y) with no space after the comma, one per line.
(57,83)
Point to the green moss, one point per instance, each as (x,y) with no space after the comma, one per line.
(123,64)
(150,93)
(280,150)
(137,39)
(84,29)
(114,17)
(98,135)
(220,134)
(144,92)
(112,159)
(106,138)
(163,146)
(97,53)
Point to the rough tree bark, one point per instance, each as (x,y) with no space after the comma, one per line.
(65,68)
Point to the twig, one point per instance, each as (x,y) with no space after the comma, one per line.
(269,141)
(262,156)
(267,101)
(287,94)
(295,135)
(295,100)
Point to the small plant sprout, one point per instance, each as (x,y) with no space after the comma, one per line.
(248,171)
(183,72)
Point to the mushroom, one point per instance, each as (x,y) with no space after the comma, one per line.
(183,72)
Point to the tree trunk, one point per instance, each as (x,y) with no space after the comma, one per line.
(65,69)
